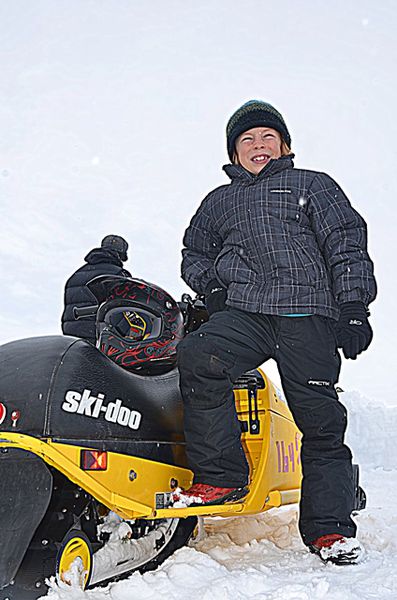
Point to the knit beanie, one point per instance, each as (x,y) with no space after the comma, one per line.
(254,113)
(117,243)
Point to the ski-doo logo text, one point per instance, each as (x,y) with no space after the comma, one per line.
(93,406)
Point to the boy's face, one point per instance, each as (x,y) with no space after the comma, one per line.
(255,147)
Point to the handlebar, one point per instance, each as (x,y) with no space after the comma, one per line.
(81,312)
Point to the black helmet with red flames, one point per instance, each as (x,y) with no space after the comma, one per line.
(139,325)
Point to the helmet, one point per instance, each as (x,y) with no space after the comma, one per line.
(139,326)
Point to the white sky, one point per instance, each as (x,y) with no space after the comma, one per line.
(112,117)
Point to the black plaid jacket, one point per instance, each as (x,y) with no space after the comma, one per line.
(285,241)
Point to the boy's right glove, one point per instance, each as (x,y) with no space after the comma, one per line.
(215,297)
(353,331)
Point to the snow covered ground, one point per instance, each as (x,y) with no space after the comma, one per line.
(262,557)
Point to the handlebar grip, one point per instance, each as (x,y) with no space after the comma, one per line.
(79,312)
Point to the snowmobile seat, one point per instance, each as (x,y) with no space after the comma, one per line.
(68,388)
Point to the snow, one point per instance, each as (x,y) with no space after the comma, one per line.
(122,549)
(262,557)
(180,500)
(112,117)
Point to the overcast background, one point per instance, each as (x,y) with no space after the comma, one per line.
(112,118)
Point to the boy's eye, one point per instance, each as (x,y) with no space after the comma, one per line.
(246,139)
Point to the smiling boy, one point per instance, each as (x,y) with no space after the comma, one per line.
(282,259)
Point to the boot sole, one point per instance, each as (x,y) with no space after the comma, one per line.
(345,559)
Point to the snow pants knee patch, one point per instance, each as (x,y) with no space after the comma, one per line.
(205,371)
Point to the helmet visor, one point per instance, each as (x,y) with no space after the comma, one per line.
(133,325)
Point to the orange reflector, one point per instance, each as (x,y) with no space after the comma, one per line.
(93,460)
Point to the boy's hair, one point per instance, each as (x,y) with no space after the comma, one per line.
(285,149)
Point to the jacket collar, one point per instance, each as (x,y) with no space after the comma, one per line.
(273,166)
(103,255)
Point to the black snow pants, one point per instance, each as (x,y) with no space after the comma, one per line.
(232,342)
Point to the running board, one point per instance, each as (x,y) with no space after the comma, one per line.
(274,499)
(206,510)
(281,497)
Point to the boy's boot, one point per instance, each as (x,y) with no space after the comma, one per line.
(337,549)
(201,493)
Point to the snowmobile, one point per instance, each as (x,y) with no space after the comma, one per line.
(92,444)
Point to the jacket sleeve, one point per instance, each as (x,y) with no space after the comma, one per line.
(202,244)
(342,236)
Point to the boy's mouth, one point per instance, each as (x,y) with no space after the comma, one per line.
(261,158)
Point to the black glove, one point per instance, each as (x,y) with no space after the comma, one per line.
(353,332)
(215,297)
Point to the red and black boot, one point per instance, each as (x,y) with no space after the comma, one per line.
(337,549)
(201,493)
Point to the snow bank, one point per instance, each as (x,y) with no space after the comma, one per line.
(372,431)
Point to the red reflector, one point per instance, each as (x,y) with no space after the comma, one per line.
(3,412)
(94,460)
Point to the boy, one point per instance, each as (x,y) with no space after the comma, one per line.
(281,257)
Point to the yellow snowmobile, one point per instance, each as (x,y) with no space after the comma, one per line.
(92,445)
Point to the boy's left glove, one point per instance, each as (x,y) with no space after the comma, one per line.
(353,331)
(215,297)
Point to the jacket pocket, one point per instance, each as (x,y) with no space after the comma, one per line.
(313,271)
(233,265)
